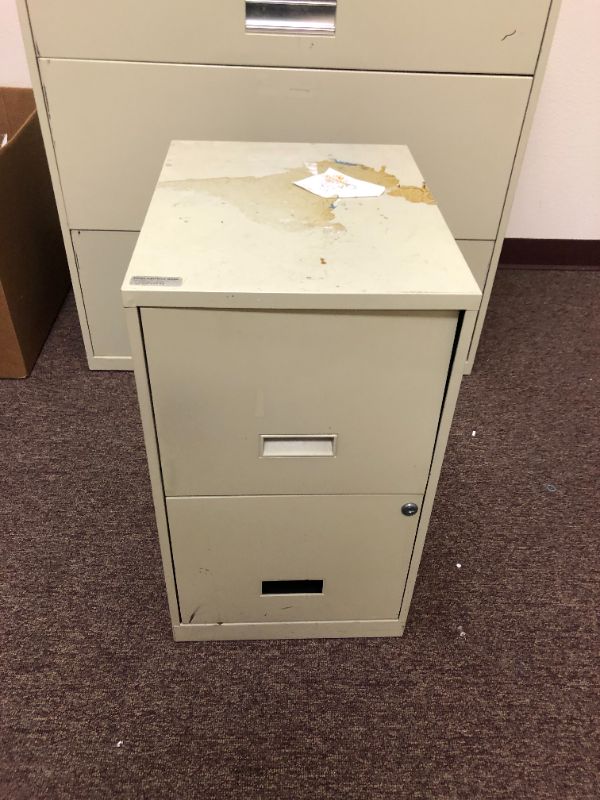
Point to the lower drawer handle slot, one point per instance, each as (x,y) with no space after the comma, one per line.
(295,446)
(292,587)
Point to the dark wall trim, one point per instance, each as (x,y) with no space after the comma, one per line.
(551,253)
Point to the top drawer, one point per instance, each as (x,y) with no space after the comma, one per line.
(491,36)
(270,402)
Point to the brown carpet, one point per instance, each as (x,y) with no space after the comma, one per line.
(511,710)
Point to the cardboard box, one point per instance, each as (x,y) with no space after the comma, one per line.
(34,276)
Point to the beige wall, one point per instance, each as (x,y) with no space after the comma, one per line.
(13,66)
(558,195)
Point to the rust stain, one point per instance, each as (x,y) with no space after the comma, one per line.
(273,200)
(323,261)
(270,199)
(381,177)
(414,194)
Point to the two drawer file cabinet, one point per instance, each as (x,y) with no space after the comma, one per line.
(298,360)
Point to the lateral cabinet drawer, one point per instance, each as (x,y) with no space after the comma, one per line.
(478,256)
(102,260)
(495,36)
(252,402)
(286,559)
(111,140)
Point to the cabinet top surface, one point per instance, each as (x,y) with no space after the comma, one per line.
(228,227)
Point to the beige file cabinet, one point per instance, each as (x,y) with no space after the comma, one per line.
(297,361)
(116,82)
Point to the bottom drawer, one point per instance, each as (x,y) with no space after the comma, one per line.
(291,558)
(102,260)
(103,257)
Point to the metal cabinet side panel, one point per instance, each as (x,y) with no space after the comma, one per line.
(111,142)
(514,179)
(42,110)
(452,390)
(496,36)
(145,401)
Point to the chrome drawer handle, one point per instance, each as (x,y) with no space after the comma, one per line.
(308,17)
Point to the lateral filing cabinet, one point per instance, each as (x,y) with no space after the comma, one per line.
(297,361)
(116,81)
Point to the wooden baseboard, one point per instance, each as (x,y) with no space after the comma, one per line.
(551,254)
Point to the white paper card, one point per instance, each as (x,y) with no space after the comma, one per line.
(332,183)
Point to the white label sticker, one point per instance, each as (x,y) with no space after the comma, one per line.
(154,280)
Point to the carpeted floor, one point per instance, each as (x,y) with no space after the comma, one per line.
(98,701)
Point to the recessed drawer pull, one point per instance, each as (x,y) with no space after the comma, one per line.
(292,587)
(307,17)
(297,446)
